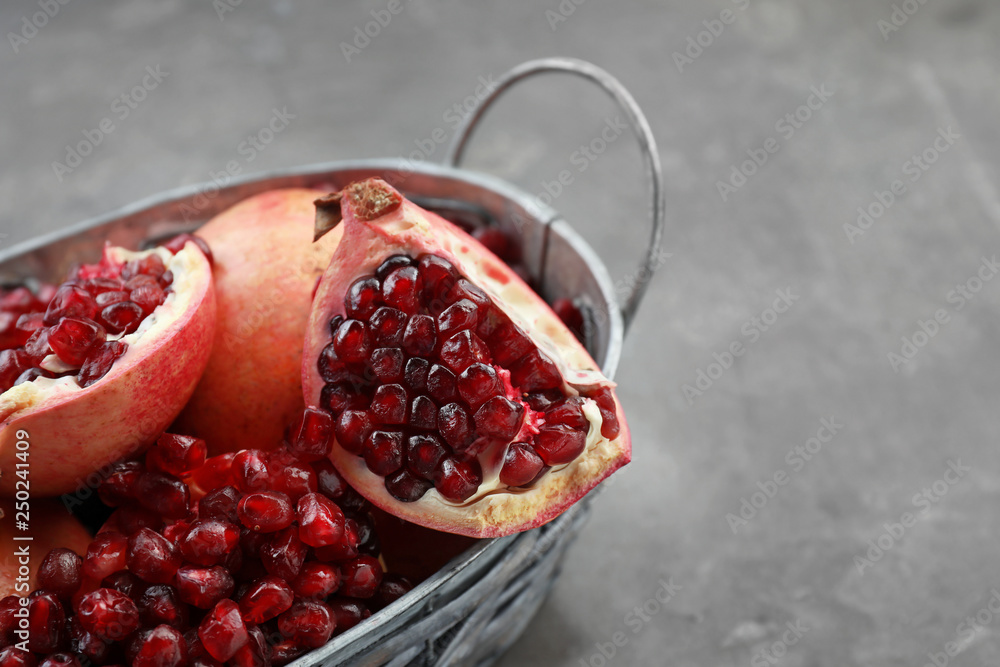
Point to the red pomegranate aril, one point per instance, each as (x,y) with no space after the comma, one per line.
(100,362)
(311,436)
(222,631)
(37,346)
(163,647)
(125,582)
(209,541)
(152,557)
(9,606)
(164,494)
(283,554)
(558,444)
(321,522)
(363,297)
(458,480)
(466,289)
(348,613)
(344,550)
(353,429)
(340,396)
(387,363)
(29,323)
(383,452)
(46,623)
(441,384)
(70,301)
(389,404)
(285,652)
(106,555)
(331,368)
(434,271)
(33,374)
(202,587)
(368,541)
(360,578)
(423,413)
(391,589)
(500,418)
(265,599)
(495,241)
(86,645)
(150,265)
(461,315)
(353,342)
(509,344)
(330,482)
(176,455)
(250,472)
(220,504)
(176,244)
(124,317)
(462,350)
(19,300)
(266,511)
(606,404)
(535,372)
(162,605)
(255,653)
(61,572)
(309,624)
(477,383)
(401,289)
(455,426)
(11,656)
(107,613)
(316,581)
(521,465)
(420,335)
(568,412)
(424,454)
(295,480)
(387,326)
(391,264)
(132,518)
(415,373)
(60,660)
(406,486)
(12,364)
(72,339)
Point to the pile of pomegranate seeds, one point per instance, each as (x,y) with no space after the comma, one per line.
(246,559)
(81,321)
(425,374)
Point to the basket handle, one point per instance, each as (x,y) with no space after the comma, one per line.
(640,127)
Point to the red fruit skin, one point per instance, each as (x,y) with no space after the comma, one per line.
(266,268)
(72,431)
(376,227)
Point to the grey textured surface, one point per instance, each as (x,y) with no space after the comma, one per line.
(796,560)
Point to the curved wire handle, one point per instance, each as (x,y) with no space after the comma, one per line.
(639,125)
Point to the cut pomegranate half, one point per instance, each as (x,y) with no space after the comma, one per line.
(461,401)
(105,364)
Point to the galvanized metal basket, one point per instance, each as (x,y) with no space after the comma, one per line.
(475,607)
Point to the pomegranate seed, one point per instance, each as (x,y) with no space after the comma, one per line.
(389,404)
(521,465)
(222,631)
(105,555)
(458,480)
(391,589)
(33,374)
(111,297)
(250,471)
(340,396)
(100,361)
(406,487)
(321,522)
(535,372)
(368,542)
(388,326)
(309,624)
(441,384)
(255,653)
(423,454)
(462,350)
(11,656)
(568,412)
(383,452)
(401,287)
(86,644)
(61,572)
(70,301)
(423,413)
(9,606)
(353,342)
(361,577)
(330,482)
(163,647)
(387,363)
(164,494)
(330,367)
(12,364)
(209,541)
(266,511)
(509,344)
(295,480)
(37,346)
(60,660)
(107,613)
(434,271)
(265,599)
(20,300)
(284,553)
(415,373)
(310,438)
(346,549)
(123,317)
(72,339)
(176,455)
(609,412)
(176,244)
(455,426)
(161,605)
(353,428)
(558,444)
(363,297)
(420,335)
(285,652)
(125,582)
(46,623)
(29,323)
(220,504)
(216,473)
(203,587)
(150,265)
(348,613)
(465,289)
(152,557)
(316,581)
(130,519)
(391,264)
(461,315)
(477,383)
(494,240)
(499,418)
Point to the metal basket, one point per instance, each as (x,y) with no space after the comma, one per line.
(474,608)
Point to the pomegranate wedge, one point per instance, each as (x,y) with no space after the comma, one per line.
(103,364)
(458,399)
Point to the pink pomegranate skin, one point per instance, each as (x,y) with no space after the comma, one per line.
(72,432)
(266,268)
(378,223)
(51,526)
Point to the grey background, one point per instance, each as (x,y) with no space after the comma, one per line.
(665,515)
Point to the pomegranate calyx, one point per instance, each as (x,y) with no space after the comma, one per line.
(328,214)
